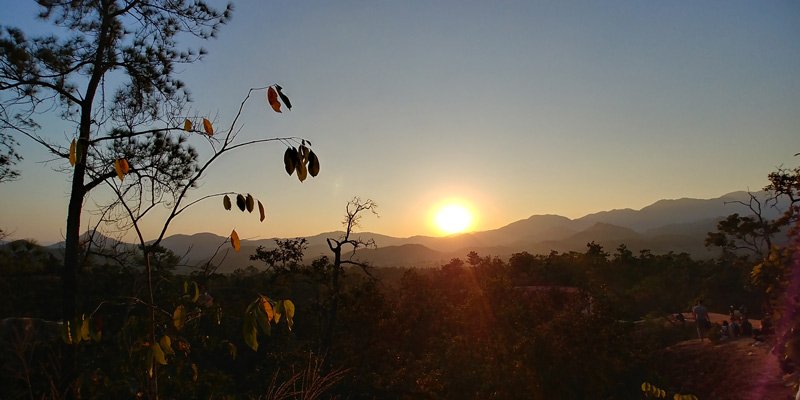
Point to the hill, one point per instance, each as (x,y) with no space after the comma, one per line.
(678,225)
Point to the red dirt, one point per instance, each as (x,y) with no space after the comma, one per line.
(734,369)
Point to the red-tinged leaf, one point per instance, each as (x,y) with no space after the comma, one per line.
(272,99)
(235,241)
(124,166)
(187,125)
(208,127)
(261,212)
(283,97)
(118,169)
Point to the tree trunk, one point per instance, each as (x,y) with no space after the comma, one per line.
(69,279)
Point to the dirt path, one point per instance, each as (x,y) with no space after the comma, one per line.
(735,369)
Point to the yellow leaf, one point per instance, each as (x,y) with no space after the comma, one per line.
(261,211)
(187,125)
(166,344)
(85,330)
(73,155)
(179,317)
(208,128)
(272,99)
(158,354)
(235,240)
(288,306)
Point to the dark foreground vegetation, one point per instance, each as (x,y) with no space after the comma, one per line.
(534,326)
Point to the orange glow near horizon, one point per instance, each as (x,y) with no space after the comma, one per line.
(451,217)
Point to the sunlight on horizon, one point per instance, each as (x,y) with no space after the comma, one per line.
(453,217)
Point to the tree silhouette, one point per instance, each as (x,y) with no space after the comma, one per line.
(113,80)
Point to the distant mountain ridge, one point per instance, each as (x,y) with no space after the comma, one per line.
(678,225)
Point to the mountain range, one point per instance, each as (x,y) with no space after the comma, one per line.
(678,225)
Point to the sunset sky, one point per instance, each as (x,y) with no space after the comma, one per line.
(510,108)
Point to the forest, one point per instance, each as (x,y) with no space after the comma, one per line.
(562,325)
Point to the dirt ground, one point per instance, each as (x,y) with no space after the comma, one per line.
(737,369)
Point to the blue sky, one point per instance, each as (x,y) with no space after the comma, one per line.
(516,108)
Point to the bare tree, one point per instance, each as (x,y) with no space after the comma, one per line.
(346,244)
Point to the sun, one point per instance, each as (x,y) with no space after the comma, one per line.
(453,218)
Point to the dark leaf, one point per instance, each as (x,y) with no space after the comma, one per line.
(250,203)
(226,202)
(288,160)
(241,202)
(313,164)
(284,99)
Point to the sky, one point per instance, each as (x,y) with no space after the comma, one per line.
(511,108)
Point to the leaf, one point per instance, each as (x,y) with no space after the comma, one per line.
(194,372)
(232,350)
(124,166)
(288,160)
(66,334)
(272,99)
(262,321)
(226,202)
(235,241)
(196,292)
(304,151)
(241,202)
(302,172)
(166,344)
(249,203)
(187,125)
(313,164)
(179,317)
(267,307)
(284,99)
(85,330)
(208,127)
(261,212)
(118,169)
(158,354)
(73,155)
(278,310)
(96,328)
(289,307)
(249,331)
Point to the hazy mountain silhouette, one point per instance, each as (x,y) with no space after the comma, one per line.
(678,225)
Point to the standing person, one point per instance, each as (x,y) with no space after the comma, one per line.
(701,318)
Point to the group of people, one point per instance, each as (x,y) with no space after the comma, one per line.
(738,324)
